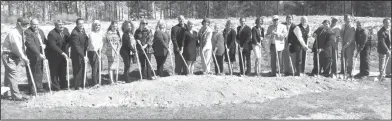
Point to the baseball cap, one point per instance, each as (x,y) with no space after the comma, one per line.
(23,20)
(275,17)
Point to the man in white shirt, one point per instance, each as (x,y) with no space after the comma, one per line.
(276,34)
(13,51)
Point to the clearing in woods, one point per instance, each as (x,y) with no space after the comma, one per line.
(213,97)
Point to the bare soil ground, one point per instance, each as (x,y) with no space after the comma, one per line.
(209,96)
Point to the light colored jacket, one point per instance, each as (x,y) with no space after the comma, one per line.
(13,43)
(278,39)
(95,41)
(205,35)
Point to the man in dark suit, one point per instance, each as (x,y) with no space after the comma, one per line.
(79,44)
(35,44)
(57,54)
(323,46)
(177,34)
(244,38)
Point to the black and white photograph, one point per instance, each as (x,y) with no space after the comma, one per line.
(271,60)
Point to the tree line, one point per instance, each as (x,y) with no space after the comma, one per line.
(122,10)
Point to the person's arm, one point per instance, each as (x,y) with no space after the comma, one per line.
(298,33)
(76,43)
(174,39)
(17,44)
(52,43)
(254,36)
(381,40)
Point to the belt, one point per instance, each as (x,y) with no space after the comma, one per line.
(10,55)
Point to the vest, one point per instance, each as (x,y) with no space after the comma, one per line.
(293,40)
(305,32)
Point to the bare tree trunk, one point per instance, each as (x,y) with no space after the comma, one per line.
(153,9)
(344,7)
(10,8)
(44,13)
(85,8)
(277,7)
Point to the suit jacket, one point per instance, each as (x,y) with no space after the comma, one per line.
(79,43)
(325,38)
(361,37)
(57,44)
(161,43)
(348,34)
(33,46)
(256,34)
(146,37)
(244,37)
(128,43)
(384,42)
(177,35)
(230,38)
(218,43)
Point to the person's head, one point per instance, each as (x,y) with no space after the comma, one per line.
(190,25)
(128,26)
(326,24)
(347,19)
(96,26)
(228,24)
(22,23)
(113,26)
(275,20)
(359,25)
(387,23)
(34,24)
(206,22)
(59,25)
(143,24)
(79,23)
(242,21)
(334,21)
(181,20)
(289,19)
(215,27)
(259,21)
(161,25)
(304,20)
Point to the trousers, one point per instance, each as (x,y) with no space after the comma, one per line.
(11,63)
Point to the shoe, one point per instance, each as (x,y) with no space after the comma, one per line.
(19,99)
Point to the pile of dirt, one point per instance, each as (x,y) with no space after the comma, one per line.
(187,91)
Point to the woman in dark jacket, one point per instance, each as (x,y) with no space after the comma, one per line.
(161,46)
(144,39)
(323,45)
(127,50)
(229,35)
(190,42)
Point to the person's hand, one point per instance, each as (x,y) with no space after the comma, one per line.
(319,50)
(64,55)
(26,60)
(215,50)
(389,52)
(306,48)
(181,51)
(42,56)
(43,46)
(145,46)
(85,59)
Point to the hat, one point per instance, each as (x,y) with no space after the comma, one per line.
(334,20)
(23,20)
(275,17)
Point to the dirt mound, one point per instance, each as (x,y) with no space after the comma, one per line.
(191,91)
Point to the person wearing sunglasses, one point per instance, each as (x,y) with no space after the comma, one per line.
(144,39)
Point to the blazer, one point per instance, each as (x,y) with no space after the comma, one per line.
(325,38)
(79,43)
(256,34)
(57,44)
(33,47)
(348,34)
(145,36)
(218,43)
(384,42)
(279,39)
(161,43)
(230,37)
(244,37)
(361,37)
(177,35)
(128,43)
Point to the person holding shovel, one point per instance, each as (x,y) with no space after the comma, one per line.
(79,44)
(218,49)
(128,48)
(257,42)
(336,29)
(347,35)
(229,35)
(190,42)
(205,35)
(94,51)
(384,48)
(276,34)
(144,39)
(57,54)
(13,52)
(322,49)
(112,40)
(161,46)
(244,38)
(363,45)
(177,34)
(35,51)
